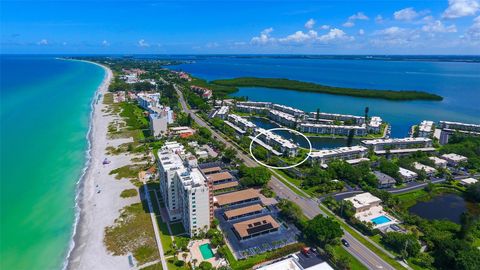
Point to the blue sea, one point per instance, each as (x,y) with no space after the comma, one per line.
(457,82)
(44,120)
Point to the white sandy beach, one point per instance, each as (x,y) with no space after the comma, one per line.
(99,209)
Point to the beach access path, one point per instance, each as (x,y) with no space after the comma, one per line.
(99,197)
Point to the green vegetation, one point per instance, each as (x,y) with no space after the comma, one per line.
(405,244)
(465,146)
(157,266)
(127,171)
(132,232)
(322,230)
(312,87)
(254,176)
(127,193)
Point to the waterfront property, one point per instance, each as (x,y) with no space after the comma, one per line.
(255,104)
(344,153)
(222,112)
(468,181)
(276,141)
(368,209)
(354,119)
(375,124)
(454,159)
(250,109)
(242,123)
(450,128)
(185,190)
(333,129)
(288,110)
(282,118)
(399,146)
(202,91)
(426,129)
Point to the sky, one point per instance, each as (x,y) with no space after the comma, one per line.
(240,27)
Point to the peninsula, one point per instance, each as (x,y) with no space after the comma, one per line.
(318,88)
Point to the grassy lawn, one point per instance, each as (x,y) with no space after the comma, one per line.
(157,266)
(127,193)
(177,228)
(364,241)
(172,266)
(132,232)
(353,262)
(164,234)
(127,171)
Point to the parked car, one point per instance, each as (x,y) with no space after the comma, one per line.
(345,243)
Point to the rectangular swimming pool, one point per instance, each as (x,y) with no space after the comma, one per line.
(380,220)
(206,251)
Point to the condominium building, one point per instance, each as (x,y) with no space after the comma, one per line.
(345,153)
(426,129)
(158,124)
(333,129)
(288,110)
(185,190)
(375,124)
(255,104)
(407,175)
(250,109)
(454,159)
(439,163)
(221,113)
(282,118)
(148,100)
(422,167)
(202,91)
(450,128)
(276,142)
(255,227)
(357,120)
(241,122)
(399,146)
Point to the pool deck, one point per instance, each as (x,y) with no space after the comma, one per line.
(194,247)
(376,212)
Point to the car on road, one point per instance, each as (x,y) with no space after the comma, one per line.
(345,243)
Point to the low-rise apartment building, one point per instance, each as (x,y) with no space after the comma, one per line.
(426,129)
(345,153)
(289,110)
(439,163)
(399,146)
(427,169)
(449,128)
(242,123)
(282,118)
(375,124)
(407,175)
(454,159)
(277,142)
(333,129)
(364,202)
(354,119)
(250,109)
(222,112)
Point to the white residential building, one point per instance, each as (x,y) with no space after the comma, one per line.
(241,122)
(148,100)
(375,124)
(250,109)
(333,129)
(222,112)
(407,175)
(357,120)
(185,190)
(426,129)
(158,124)
(282,118)
(422,167)
(255,104)
(344,153)
(293,262)
(288,110)
(399,146)
(449,128)
(439,163)
(454,159)
(468,181)
(364,202)
(276,141)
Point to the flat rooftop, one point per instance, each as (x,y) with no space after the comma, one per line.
(256,225)
(338,151)
(237,196)
(393,141)
(211,170)
(363,199)
(243,210)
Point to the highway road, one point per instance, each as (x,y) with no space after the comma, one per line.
(309,206)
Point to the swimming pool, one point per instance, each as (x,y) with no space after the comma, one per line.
(380,220)
(206,251)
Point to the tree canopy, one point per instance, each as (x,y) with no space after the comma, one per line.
(322,230)
(254,176)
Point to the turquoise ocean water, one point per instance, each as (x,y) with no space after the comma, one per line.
(44,118)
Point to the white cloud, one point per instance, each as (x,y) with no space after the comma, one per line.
(351,20)
(300,37)
(394,36)
(105,43)
(264,37)
(438,27)
(406,14)
(43,42)
(379,19)
(473,32)
(325,27)
(212,45)
(461,8)
(335,34)
(310,23)
(361,32)
(143,43)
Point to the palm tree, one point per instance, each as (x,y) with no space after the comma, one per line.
(317,116)
(184,256)
(194,262)
(366,113)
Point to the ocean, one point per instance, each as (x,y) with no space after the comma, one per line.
(44,118)
(457,82)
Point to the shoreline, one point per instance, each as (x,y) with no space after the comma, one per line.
(101,89)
